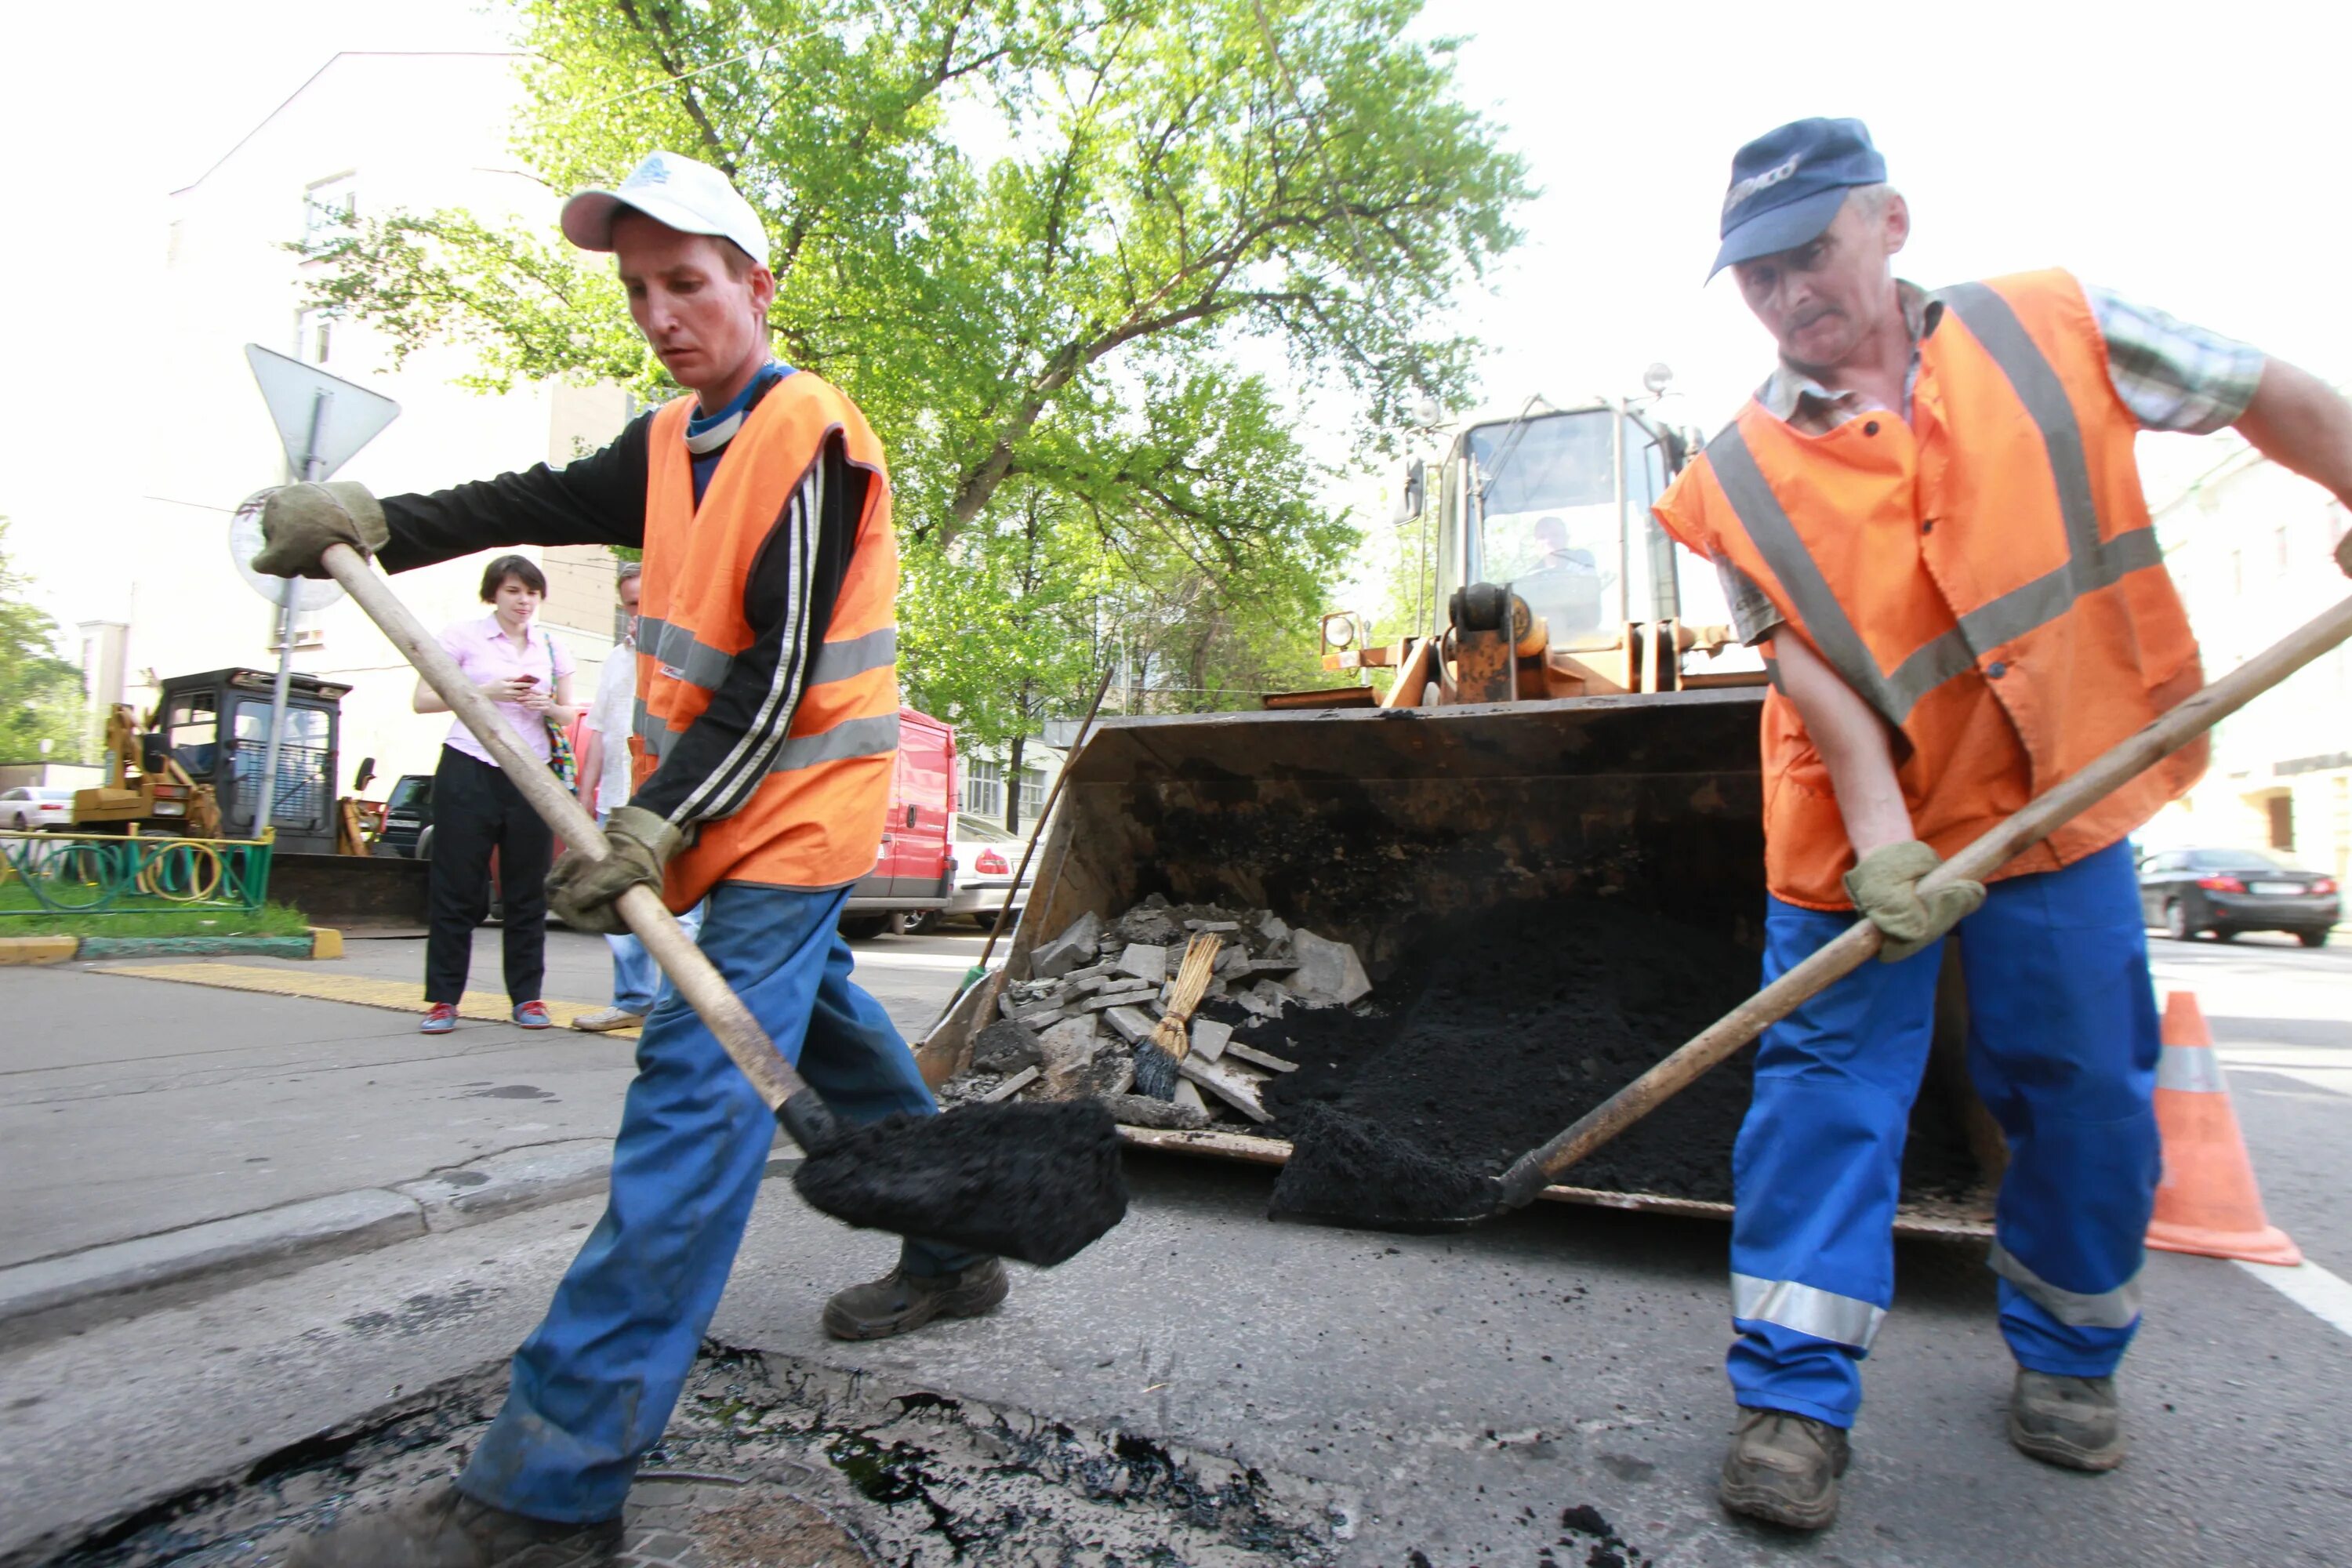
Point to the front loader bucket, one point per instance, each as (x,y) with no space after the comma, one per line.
(1382,827)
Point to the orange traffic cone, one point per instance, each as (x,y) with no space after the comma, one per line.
(2207,1202)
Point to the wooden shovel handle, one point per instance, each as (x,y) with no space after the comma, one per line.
(708,994)
(1859,942)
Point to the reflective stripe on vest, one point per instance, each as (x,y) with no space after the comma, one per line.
(2091,563)
(698,664)
(1807,1308)
(851,738)
(2116,1309)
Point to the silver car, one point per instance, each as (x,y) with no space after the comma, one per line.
(986,856)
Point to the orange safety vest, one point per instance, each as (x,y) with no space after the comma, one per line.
(816,821)
(1984,576)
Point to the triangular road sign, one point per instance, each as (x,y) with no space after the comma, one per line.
(323,419)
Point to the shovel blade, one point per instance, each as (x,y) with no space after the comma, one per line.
(1039,1183)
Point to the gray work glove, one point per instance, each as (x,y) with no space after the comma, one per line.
(1885,888)
(299,521)
(579,891)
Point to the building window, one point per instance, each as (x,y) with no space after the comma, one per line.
(1032,793)
(314,336)
(328,209)
(983,788)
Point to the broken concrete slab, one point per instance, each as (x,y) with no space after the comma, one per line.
(1062,1052)
(1071,950)
(1188,1098)
(1011,1086)
(1265,1059)
(1004,1046)
(1126,997)
(1328,972)
(1110,1072)
(1210,1038)
(1145,960)
(1227,1085)
(1132,1025)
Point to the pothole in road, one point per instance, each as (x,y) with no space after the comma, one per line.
(770,1459)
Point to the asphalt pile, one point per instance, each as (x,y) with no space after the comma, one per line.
(1489,1034)
(1099,989)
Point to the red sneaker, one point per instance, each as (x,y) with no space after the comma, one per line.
(532,1016)
(439,1019)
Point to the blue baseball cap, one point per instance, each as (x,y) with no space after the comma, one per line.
(1786,185)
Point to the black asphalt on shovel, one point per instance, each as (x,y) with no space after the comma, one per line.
(1344,1170)
(1039,1182)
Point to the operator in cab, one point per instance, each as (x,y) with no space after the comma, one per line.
(1929,521)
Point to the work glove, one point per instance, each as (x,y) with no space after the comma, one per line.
(299,521)
(579,891)
(1885,888)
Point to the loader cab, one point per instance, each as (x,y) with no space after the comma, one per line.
(217,727)
(1555,502)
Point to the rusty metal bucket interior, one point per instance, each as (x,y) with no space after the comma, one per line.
(1370,824)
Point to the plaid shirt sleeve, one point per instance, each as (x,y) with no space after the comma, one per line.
(2172,375)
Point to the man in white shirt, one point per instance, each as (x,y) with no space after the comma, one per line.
(604,784)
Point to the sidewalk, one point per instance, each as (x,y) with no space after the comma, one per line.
(162,1132)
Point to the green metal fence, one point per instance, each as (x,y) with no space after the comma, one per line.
(111,873)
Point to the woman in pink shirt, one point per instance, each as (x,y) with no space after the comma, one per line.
(478,811)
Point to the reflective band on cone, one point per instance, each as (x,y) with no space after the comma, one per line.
(2207,1202)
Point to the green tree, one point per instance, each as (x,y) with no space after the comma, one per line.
(41,696)
(1033,238)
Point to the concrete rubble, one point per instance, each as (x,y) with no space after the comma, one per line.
(1098,989)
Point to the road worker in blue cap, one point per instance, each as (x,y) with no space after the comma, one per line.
(1929,520)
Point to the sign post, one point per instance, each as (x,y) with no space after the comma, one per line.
(322,421)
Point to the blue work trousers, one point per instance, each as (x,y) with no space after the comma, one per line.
(594,1384)
(2063,1046)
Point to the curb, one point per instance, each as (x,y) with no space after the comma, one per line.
(320,941)
(118,1278)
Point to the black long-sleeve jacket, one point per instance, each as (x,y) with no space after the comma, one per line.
(601,499)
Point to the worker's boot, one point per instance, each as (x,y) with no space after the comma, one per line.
(1784,1468)
(446,1528)
(900,1302)
(2069,1421)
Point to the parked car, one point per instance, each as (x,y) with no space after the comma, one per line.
(29,810)
(986,856)
(912,875)
(408,818)
(2226,891)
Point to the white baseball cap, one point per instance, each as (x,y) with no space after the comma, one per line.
(676,192)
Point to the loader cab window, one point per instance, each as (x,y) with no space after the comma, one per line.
(192,731)
(1545,502)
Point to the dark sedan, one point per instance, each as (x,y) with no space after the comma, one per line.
(2226,891)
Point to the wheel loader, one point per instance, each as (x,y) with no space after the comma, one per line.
(1559,727)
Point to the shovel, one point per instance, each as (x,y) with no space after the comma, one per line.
(1344,1170)
(1039,1182)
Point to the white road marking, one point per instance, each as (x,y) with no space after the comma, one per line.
(2326,1296)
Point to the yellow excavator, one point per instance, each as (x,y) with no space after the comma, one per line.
(1568,720)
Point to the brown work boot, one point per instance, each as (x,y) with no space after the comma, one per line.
(900,1302)
(446,1528)
(1784,1468)
(2073,1422)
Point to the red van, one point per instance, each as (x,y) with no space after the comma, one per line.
(915,872)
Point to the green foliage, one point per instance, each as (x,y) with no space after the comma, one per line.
(1036,240)
(41,696)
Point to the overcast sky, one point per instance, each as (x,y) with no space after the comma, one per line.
(2188,157)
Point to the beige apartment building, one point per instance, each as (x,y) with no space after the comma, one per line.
(2250,545)
(170,603)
